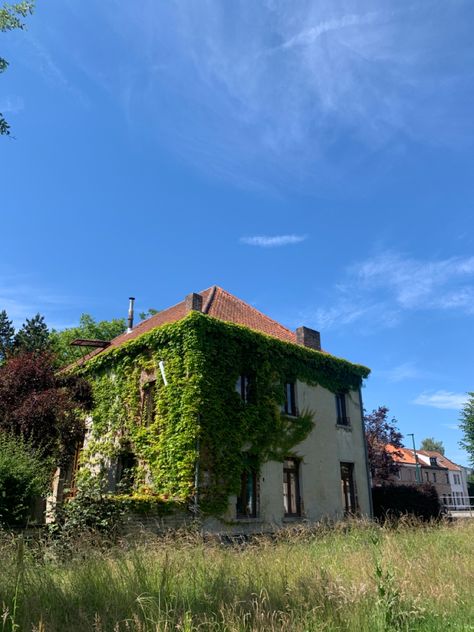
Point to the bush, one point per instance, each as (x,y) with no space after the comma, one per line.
(394,501)
(24,474)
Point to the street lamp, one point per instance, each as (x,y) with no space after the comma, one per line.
(418,473)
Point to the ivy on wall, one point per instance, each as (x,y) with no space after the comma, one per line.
(199,418)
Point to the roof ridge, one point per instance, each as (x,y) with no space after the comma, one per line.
(257,311)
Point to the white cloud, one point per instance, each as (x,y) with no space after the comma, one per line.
(405,371)
(441,399)
(266,91)
(266,241)
(11,105)
(380,290)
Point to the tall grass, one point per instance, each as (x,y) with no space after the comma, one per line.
(354,577)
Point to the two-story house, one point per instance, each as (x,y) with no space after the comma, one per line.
(214,403)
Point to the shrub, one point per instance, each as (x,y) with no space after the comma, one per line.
(24,474)
(394,501)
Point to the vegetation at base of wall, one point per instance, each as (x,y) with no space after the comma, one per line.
(198,419)
(352,577)
(24,475)
(393,501)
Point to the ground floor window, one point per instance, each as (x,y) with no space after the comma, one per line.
(349,500)
(247,499)
(291,487)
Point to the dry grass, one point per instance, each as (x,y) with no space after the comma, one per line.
(352,577)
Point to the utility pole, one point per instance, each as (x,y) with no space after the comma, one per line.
(418,473)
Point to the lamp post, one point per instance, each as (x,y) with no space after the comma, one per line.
(418,473)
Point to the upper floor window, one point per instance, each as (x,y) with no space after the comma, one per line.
(434,477)
(246,506)
(289,406)
(433,461)
(342,418)
(148,402)
(242,386)
(291,487)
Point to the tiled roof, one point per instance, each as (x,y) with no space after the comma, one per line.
(216,302)
(442,460)
(405,455)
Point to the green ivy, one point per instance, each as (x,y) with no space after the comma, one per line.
(199,417)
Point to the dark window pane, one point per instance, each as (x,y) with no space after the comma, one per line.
(342,418)
(247,499)
(349,501)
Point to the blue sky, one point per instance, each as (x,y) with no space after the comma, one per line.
(315,159)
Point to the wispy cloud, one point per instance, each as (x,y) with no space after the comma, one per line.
(275,241)
(382,289)
(402,372)
(268,90)
(441,399)
(11,105)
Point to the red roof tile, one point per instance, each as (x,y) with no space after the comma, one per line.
(217,303)
(442,460)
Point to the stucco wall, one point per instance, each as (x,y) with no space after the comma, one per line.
(321,454)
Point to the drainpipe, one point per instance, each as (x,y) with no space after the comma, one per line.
(366,453)
(196,479)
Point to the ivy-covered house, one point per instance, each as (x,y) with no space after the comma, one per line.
(212,404)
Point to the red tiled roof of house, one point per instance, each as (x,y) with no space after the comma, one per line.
(401,455)
(216,302)
(442,460)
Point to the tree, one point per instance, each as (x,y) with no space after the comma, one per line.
(42,406)
(88,328)
(380,432)
(24,474)
(149,313)
(10,19)
(7,333)
(431,445)
(467,426)
(33,336)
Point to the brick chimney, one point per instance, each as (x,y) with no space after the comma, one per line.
(308,338)
(193,302)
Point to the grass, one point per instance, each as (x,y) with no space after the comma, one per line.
(351,577)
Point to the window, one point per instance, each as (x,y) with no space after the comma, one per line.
(242,386)
(291,487)
(427,476)
(434,477)
(447,478)
(457,479)
(433,461)
(246,506)
(289,407)
(125,471)
(349,501)
(148,402)
(342,418)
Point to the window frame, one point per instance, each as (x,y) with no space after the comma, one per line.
(242,500)
(242,387)
(149,391)
(290,407)
(348,488)
(289,472)
(341,410)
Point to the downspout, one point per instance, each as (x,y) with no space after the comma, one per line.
(196,476)
(366,452)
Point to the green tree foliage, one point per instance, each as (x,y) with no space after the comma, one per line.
(24,474)
(148,314)
(33,336)
(467,426)
(431,445)
(7,334)
(10,19)
(87,328)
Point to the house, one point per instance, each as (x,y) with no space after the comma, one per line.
(424,466)
(216,404)
(457,495)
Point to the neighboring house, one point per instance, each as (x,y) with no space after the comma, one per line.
(448,478)
(212,402)
(457,495)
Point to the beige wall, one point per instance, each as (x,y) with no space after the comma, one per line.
(321,453)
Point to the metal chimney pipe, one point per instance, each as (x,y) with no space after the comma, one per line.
(130,314)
